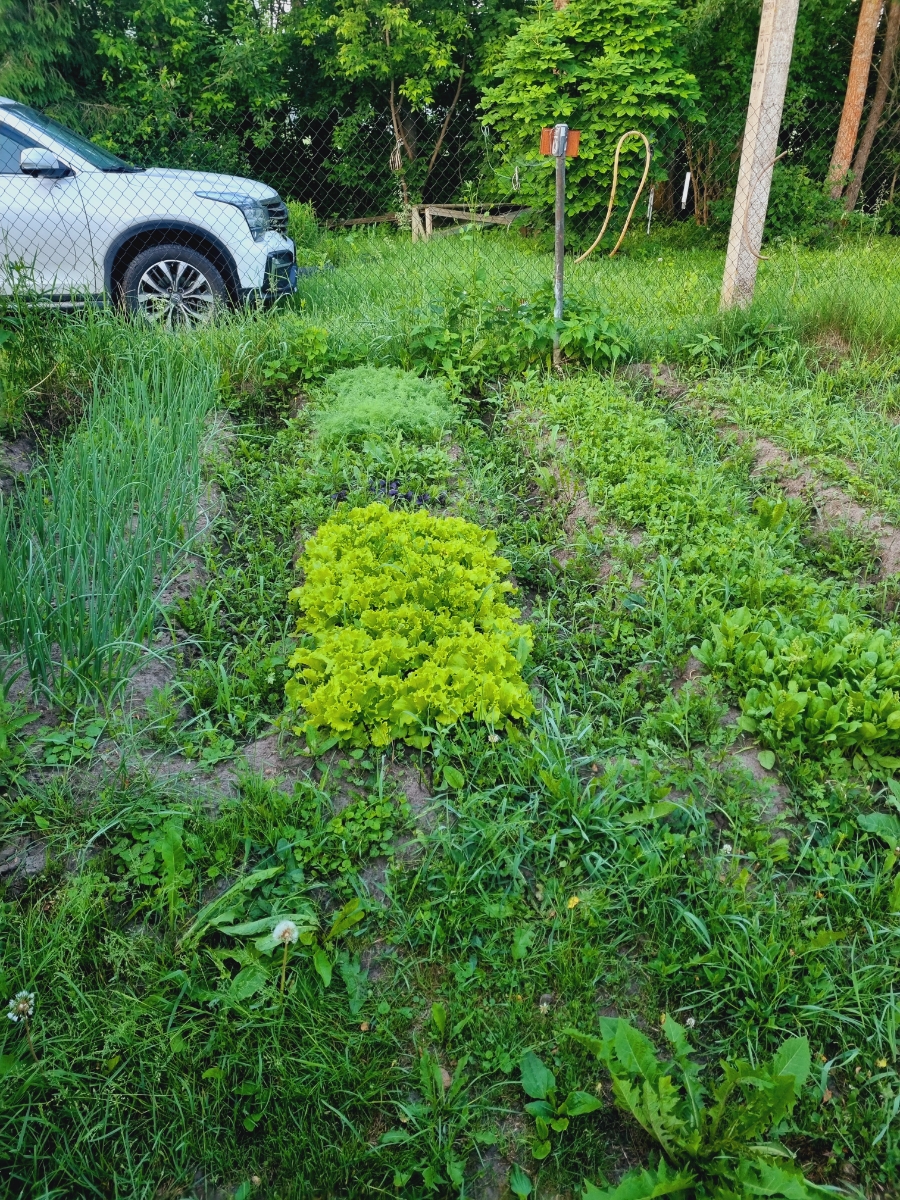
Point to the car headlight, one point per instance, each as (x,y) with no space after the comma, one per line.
(255,212)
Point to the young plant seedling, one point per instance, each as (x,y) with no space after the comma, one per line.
(549,1113)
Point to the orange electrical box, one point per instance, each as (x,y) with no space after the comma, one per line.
(572,144)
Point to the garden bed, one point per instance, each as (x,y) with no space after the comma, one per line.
(656,841)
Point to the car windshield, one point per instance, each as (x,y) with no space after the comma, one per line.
(104,160)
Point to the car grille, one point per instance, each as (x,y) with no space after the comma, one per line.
(278,215)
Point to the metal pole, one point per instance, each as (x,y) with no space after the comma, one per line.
(760,149)
(558,149)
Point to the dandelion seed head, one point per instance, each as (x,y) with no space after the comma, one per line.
(286,932)
(21,1007)
(690,1022)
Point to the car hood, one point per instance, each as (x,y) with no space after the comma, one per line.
(210,181)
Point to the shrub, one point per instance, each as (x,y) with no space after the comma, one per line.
(616,65)
(404,625)
(363,401)
(474,337)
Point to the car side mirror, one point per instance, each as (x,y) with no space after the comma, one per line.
(36,161)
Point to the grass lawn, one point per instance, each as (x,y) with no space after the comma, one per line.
(694,833)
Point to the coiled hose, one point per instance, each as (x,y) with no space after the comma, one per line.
(647,161)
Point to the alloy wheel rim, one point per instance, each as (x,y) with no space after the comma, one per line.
(173,293)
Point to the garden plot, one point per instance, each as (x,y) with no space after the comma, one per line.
(658,840)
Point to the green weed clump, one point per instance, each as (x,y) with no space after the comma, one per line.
(405,626)
(715,1141)
(366,401)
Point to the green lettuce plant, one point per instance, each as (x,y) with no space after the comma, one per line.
(715,1141)
(404,626)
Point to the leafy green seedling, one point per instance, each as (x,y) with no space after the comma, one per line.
(13,748)
(439,1018)
(519,1183)
(539,1082)
(887,827)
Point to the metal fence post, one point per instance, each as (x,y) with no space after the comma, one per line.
(558,150)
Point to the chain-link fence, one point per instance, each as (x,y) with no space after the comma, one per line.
(201,223)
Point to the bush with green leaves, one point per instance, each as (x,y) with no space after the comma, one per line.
(814,684)
(404,626)
(603,67)
(364,401)
(800,209)
(715,1141)
(474,337)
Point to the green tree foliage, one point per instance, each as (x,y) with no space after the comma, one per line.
(420,64)
(46,50)
(201,79)
(602,66)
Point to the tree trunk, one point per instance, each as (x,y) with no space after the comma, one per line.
(885,69)
(857,83)
(444,127)
(759,150)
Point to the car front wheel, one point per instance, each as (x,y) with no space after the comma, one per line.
(174,286)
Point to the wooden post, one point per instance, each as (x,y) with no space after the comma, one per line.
(418,233)
(770,74)
(558,150)
(857,84)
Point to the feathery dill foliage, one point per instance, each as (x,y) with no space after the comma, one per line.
(99,528)
(405,624)
(366,401)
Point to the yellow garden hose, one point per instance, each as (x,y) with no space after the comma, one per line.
(637,195)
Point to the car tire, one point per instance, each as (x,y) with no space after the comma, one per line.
(173,286)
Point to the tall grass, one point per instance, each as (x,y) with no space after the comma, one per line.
(99,528)
(663,293)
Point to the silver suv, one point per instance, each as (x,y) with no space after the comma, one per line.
(79,224)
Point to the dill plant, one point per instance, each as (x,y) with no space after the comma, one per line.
(365,401)
(404,625)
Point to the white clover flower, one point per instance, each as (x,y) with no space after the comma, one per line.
(21,1007)
(690,1022)
(286,932)
(727,848)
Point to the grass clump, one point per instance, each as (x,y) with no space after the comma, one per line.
(364,401)
(404,626)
